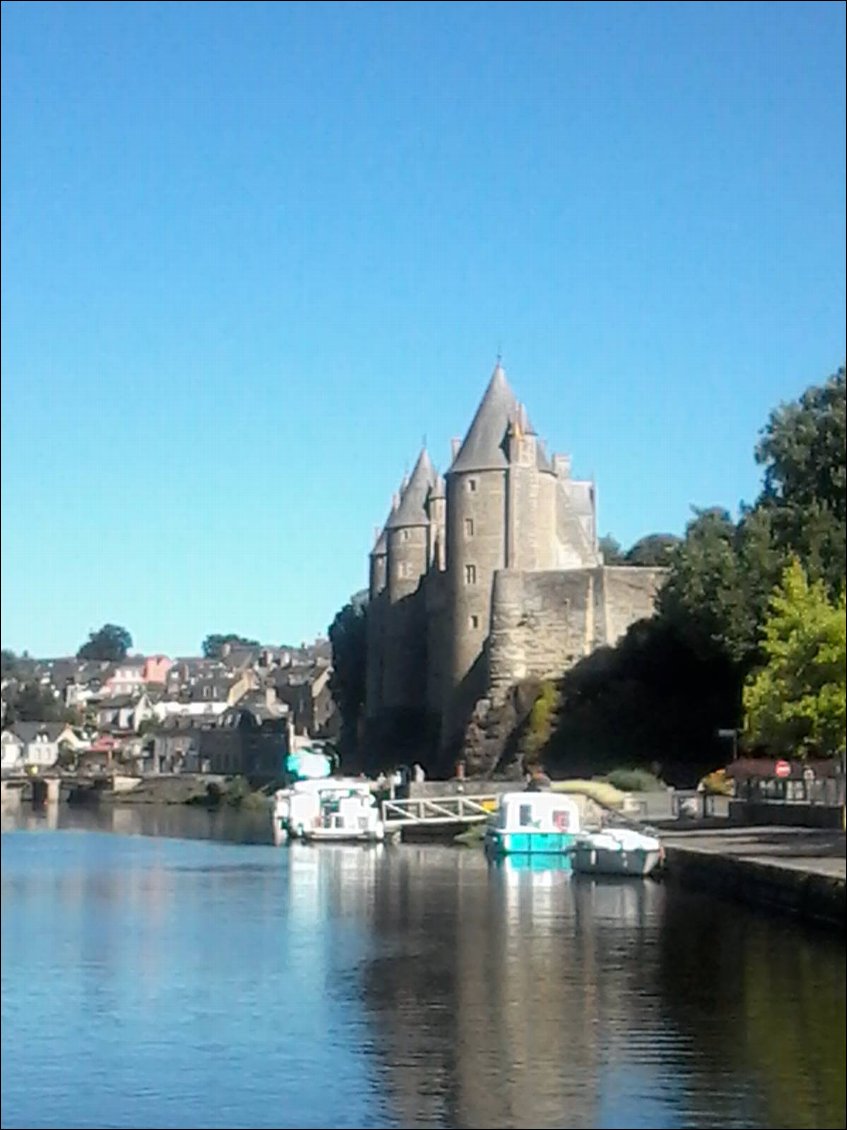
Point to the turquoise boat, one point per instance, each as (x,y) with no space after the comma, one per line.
(529,822)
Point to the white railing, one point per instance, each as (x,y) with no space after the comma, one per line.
(458,809)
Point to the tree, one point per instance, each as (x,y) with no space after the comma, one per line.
(611,549)
(213,645)
(720,580)
(110,643)
(348,636)
(796,702)
(8,663)
(802,449)
(33,703)
(654,549)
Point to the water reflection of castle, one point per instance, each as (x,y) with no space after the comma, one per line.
(496,1012)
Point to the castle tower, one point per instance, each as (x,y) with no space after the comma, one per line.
(436,508)
(379,565)
(375,627)
(404,636)
(476,541)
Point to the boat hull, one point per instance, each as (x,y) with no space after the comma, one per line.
(500,842)
(343,835)
(638,862)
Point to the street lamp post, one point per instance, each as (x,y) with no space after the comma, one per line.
(733,736)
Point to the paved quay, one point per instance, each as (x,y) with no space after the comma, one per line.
(811,850)
(797,871)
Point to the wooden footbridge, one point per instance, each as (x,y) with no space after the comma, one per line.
(428,812)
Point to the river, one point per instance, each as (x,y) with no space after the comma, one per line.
(171,969)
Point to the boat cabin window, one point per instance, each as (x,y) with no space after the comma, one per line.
(525,815)
(561,820)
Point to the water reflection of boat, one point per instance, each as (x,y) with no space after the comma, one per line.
(612,900)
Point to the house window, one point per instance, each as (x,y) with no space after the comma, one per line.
(472,485)
(470,574)
(473,621)
(468,527)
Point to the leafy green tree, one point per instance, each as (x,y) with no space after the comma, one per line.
(611,549)
(700,595)
(31,702)
(796,702)
(213,645)
(654,549)
(111,643)
(348,636)
(720,581)
(802,450)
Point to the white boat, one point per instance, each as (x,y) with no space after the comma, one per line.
(533,822)
(616,851)
(333,808)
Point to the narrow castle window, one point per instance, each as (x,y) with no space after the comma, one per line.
(473,621)
(405,535)
(471,485)
(470,574)
(469,527)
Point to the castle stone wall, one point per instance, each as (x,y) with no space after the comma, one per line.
(543,623)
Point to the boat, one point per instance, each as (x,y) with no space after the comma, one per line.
(530,822)
(616,851)
(327,809)
(347,811)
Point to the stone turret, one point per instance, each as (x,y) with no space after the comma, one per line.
(436,508)
(407,534)
(379,564)
(375,628)
(476,538)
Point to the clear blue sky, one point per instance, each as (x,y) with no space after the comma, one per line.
(253,252)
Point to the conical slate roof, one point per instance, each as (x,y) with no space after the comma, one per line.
(485,446)
(438,488)
(380,545)
(412,508)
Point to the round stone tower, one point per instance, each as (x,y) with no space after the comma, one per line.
(377,599)
(476,544)
(404,635)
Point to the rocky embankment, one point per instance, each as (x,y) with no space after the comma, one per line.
(202,790)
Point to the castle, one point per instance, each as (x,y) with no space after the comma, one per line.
(486,576)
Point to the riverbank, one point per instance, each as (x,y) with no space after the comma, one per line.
(202,790)
(797,871)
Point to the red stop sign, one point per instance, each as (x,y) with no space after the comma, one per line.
(782,769)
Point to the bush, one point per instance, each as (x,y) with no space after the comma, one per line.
(602,792)
(633,780)
(540,722)
(717,783)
